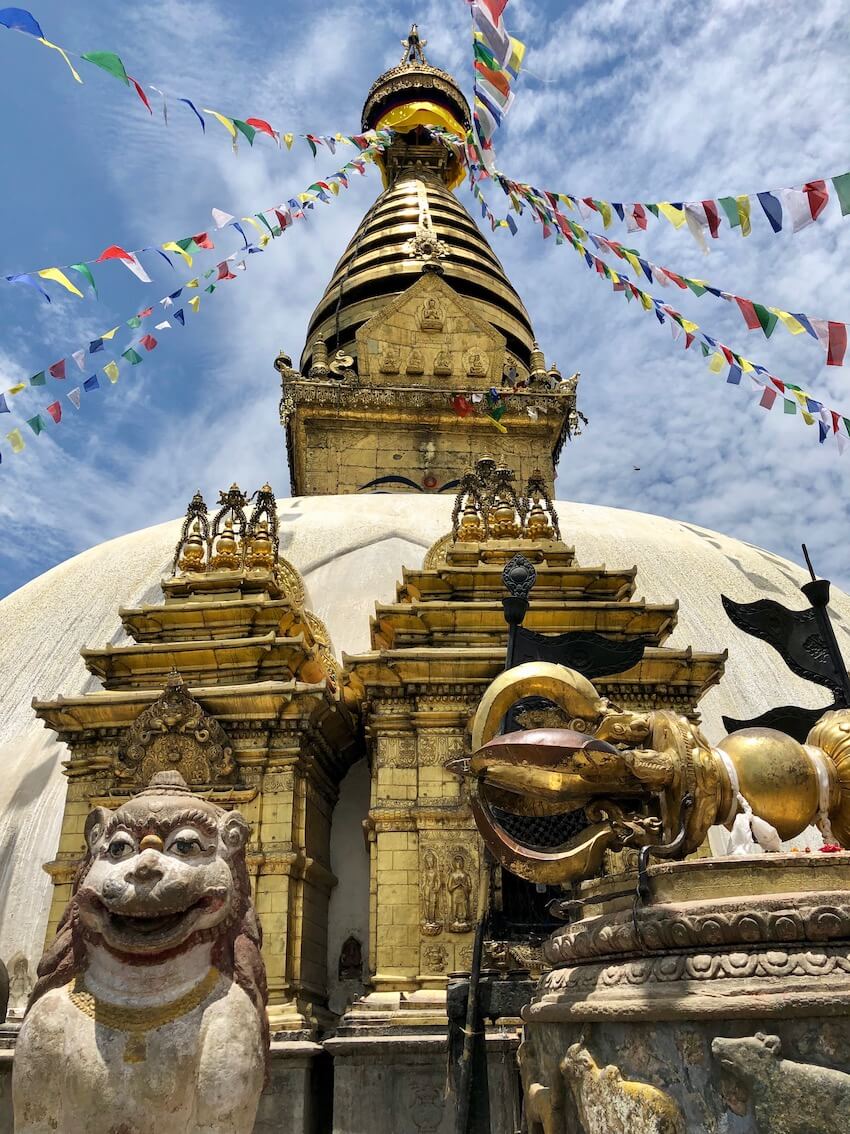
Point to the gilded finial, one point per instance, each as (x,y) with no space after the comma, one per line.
(414,47)
(193,558)
(227,556)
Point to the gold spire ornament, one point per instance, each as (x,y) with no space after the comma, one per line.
(136,1023)
(228,555)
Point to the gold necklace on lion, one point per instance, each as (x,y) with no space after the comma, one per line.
(137,1022)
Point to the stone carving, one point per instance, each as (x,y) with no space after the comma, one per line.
(436,958)
(430,885)
(542,1106)
(459,886)
(609,1104)
(149,1012)
(351,960)
(396,751)
(431,315)
(415,362)
(389,360)
(21,984)
(426,1107)
(174,733)
(788,1097)
(443,365)
(435,748)
(476,367)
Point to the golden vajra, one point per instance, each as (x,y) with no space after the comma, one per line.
(137,1022)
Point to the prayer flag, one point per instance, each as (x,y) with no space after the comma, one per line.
(60,278)
(730,207)
(462,406)
(173,246)
(108,62)
(261,124)
(86,272)
(23,278)
(818,195)
(58,369)
(16,440)
(56,47)
(221,218)
(36,424)
(743,204)
(196,112)
(140,92)
(113,252)
(245,129)
(202,240)
(841,185)
(180,317)
(148,342)
(768,398)
(3,406)
(163,326)
(227,123)
(79,356)
(91,384)
(38,379)
(111,371)
(772,210)
(74,397)
(19,19)
(55,411)
(195,302)
(132,356)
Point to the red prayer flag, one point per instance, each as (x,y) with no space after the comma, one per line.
(282,219)
(55,411)
(144,314)
(203,241)
(148,342)
(494,8)
(749,313)
(727,354)
(224,272)
(712,215)
(836,418)
(639,213)
(261,124)
(140,93)
(837,344)
(818,195)
(689,338)
(113,252)
(58,369)
(768,398)
(462,406)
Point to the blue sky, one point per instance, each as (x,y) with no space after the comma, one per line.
(619,101)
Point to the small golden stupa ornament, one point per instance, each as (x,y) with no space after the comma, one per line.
(259,554)
(194,555)
(227,555)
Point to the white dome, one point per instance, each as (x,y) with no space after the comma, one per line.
(350,551)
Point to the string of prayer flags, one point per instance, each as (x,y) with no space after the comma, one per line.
(497,58)
(832,335)
(795,208)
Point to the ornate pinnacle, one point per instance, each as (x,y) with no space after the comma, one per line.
(414,47)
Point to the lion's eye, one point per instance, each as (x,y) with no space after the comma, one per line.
(186,846)
(120,848)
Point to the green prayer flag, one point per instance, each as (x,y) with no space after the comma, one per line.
(497,413)
(653,209)
(260,217)
(790,405)
(767,319)
(36,424)
(38,379)
(705,351)
(841,184)
(696,288)
(187,244)
(86,273)
(245,129)
(108,62)
(132,356)
(846,421)
(730,207)
(211,288)
(134,322)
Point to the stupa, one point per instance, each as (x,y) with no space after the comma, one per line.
(317,660)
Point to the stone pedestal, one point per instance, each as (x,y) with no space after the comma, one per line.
(721,1006)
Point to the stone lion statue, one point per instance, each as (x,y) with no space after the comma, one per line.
(148,1016)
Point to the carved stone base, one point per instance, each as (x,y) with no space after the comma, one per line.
(721,1007)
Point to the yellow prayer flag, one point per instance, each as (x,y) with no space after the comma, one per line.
(289,139)
(717,363)
(747,366)
(109,334)
(56,47)
(800,396)
(689,327)
(334,188)
(632,259)
(195,303)
(173,246)
(255,223)
(646,300)
(614,277)
(111,371)
(743,204)
(16,440)
(792,324)
(264,239)
(191,283)
(17,388)
(563,197)
(676,217)
(605,211)
(227,123)
(501,428)
(60,278)
(807,417)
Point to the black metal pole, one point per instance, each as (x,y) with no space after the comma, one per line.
(472,1033)
(817,592)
